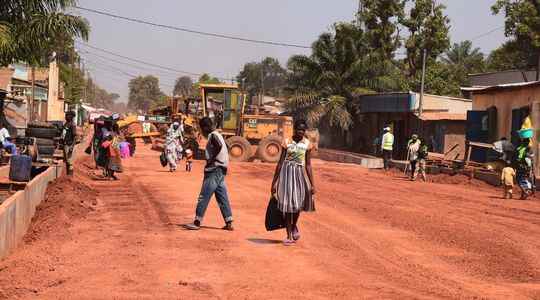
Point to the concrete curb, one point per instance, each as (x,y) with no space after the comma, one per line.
(17,211)
(365,161)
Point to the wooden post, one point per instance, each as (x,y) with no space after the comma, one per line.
(469,151)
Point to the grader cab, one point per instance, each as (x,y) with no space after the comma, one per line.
(247,135)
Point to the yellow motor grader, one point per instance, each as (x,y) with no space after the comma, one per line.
(247,135)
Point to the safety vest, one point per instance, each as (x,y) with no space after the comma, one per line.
(388,141)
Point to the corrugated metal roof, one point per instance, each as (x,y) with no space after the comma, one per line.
(484,89)
(440,116)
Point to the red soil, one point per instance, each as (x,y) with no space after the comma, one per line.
(374,235)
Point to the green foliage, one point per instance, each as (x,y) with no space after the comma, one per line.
(314,109)
(379,19)
(29,30)
(522,25)
(184,87)
(522,20)
(74,83)
(428,28)
(462,59)
(206,78)
(268,72)
(340,66)
(99,97)
(144,92)
(509,56)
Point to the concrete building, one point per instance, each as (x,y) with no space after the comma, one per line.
(49,102)
(442,123)
(499,111)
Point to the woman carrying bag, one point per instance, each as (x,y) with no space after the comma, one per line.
(293,185)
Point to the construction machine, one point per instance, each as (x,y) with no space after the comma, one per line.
(247,135)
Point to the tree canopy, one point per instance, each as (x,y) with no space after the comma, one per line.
(183,87)
(30,30)
(522,25)
(267,74)
(144,91)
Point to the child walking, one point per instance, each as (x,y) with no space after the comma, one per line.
(189,159)
(507,179)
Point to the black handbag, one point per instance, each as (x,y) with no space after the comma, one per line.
(274,217)
(163,159)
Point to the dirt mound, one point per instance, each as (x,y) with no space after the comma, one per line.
(456,179)
(66,201)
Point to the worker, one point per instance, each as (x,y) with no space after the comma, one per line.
(523,164)
(69,138)
(387,146)
(172,145)
(413,147)
(217,162)
(507,180)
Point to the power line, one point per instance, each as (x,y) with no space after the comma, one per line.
(118,71)
(210,34)
(487,33)
(145,62)
(108,59)
(106,62)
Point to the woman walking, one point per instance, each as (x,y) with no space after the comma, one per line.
(293,184)
(112,145)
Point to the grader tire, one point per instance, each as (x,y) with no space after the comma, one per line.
(270,149)
(239,149)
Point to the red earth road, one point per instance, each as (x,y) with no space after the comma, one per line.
(373,236)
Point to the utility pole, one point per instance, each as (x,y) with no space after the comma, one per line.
(262,85)
(32,96)
(421,104)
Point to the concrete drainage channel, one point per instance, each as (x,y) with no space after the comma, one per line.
(17,210)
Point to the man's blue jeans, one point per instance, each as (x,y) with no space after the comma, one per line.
(214,183)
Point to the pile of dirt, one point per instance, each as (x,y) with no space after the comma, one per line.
(456,179)
(66,200)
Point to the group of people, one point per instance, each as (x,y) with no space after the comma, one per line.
(109,146)
(417,153)
(518,161)
(519,169)
(293,185)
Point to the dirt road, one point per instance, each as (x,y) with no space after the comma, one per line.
(374,236)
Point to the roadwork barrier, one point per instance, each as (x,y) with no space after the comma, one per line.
(17,211)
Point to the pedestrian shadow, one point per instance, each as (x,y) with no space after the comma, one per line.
(264,241)
(185,227)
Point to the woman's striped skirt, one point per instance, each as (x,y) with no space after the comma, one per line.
(294,189)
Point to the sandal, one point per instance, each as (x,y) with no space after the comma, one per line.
(288,242)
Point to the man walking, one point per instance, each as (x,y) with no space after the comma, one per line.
(69,135)
(413,148)
(387,146)
(217,161)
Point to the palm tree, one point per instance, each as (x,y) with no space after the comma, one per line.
(30,29)
(465,56)
(325,82)
(462,60)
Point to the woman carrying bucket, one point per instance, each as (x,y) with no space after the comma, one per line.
(524,165)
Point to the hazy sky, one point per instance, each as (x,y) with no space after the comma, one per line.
(289,21)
